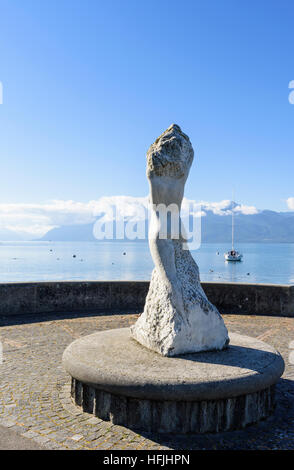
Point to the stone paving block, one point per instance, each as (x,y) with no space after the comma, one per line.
(30,434)
(41,439)
(77,437)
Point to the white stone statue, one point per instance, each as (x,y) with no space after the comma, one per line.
(177,318)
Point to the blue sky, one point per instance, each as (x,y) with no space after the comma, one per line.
(88,85)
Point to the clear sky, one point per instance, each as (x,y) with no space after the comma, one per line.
(89,84)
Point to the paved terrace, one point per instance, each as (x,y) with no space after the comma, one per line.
(34,389)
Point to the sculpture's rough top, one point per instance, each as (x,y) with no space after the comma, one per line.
(170,155)
(177,317)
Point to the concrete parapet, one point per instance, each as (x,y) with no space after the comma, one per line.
(86,296)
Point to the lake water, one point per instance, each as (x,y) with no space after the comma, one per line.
(34,261)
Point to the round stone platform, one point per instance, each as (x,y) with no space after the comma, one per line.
(117,379)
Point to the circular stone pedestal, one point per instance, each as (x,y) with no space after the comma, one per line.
(117,379)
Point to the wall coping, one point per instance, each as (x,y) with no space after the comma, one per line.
(76,281)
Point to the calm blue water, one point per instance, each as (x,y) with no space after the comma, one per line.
(33,261)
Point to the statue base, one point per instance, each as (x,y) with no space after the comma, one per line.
(119,380)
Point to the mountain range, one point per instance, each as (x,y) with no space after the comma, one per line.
(263,227)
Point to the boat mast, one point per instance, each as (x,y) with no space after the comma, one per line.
(232,221)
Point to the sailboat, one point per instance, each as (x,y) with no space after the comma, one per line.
(233,255)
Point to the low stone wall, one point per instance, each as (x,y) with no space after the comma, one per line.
(82,296)
(265,299)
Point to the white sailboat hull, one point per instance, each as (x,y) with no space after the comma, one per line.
(236,257)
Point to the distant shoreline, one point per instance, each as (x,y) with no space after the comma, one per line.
(39,240)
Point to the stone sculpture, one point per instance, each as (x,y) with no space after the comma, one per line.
(177,317)
(117,379)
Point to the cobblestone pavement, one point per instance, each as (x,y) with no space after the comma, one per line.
(34,388)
